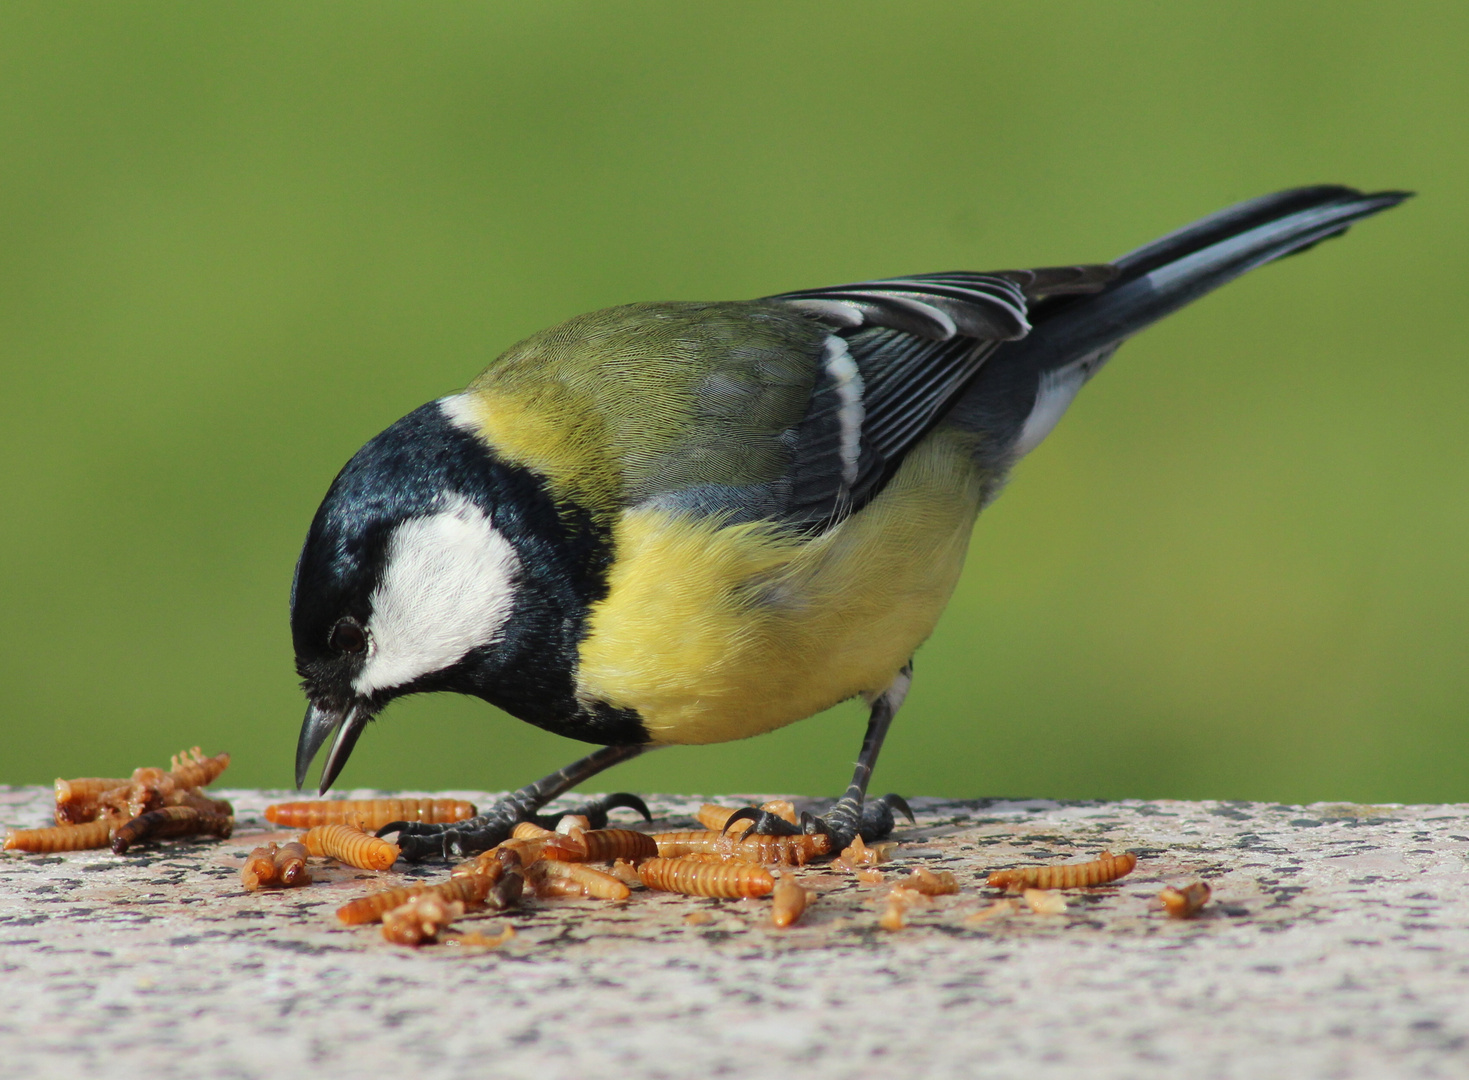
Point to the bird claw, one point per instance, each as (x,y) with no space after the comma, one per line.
(418,841)
(595,811)
(843,823)
(763,822)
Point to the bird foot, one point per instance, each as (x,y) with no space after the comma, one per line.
(418,841)
(843,823)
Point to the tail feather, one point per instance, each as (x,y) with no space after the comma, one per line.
(1025,386)
(1159,278)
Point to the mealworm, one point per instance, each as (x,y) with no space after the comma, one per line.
(170,821)
(607,845)
(78,800)
(351,846)
(479,940)
(420,920)
(193,769)
(930,884)
(506,892)
(861,854)
(1185,903)
(717,817)
(492,864)
(202,803)
(894,916)
(671,845)
(995,910)
(625,872)
(789,850)
(788,902)
(368,814)
(1099,871)
(290,865)
(90,834)
(469,889)
(573,879)
(144,792)
(529,830)
(537,842)
(712,817)
(571,824)
(557,846)
(729,880)
(260,868)
(1044,902)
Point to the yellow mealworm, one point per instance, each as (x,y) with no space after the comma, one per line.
(730,880)
(1099,871)
(529,830)
(1044,902)
(193,769)
(712,817)
(790,850)
(493,863)
(79,800)
(368,814)
(535,842)
(625,872)
(260,868)
(351,846)
(861,854)
(290,865)
(995,910)
(144,792)
(930,884)
(573,879)
(606,845)
(420,920)
(788,902)
(476,939)
(170,821)
(470,889)
(202,803)
(894,916)
(1185,903)
(571,824)
(717,817)
(91,834)
(557,846)
(673,844)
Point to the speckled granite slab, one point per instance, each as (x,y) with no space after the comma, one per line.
(1338,946)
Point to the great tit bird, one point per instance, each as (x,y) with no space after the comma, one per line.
(672,523)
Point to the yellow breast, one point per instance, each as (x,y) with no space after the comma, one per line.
(715,633)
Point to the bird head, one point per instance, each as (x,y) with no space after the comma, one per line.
(430,565)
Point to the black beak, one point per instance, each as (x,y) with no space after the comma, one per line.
(320,722)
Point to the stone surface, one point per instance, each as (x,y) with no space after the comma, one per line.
(1337,946)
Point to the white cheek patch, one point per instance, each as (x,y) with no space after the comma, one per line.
(448,586)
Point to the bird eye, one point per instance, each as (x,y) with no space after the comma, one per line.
(348,637)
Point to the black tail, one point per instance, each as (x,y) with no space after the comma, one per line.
(1025,386)
(1159,278)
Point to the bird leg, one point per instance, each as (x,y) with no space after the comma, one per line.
(852,815)
(418,840)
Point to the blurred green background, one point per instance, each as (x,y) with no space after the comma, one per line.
(240,239)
